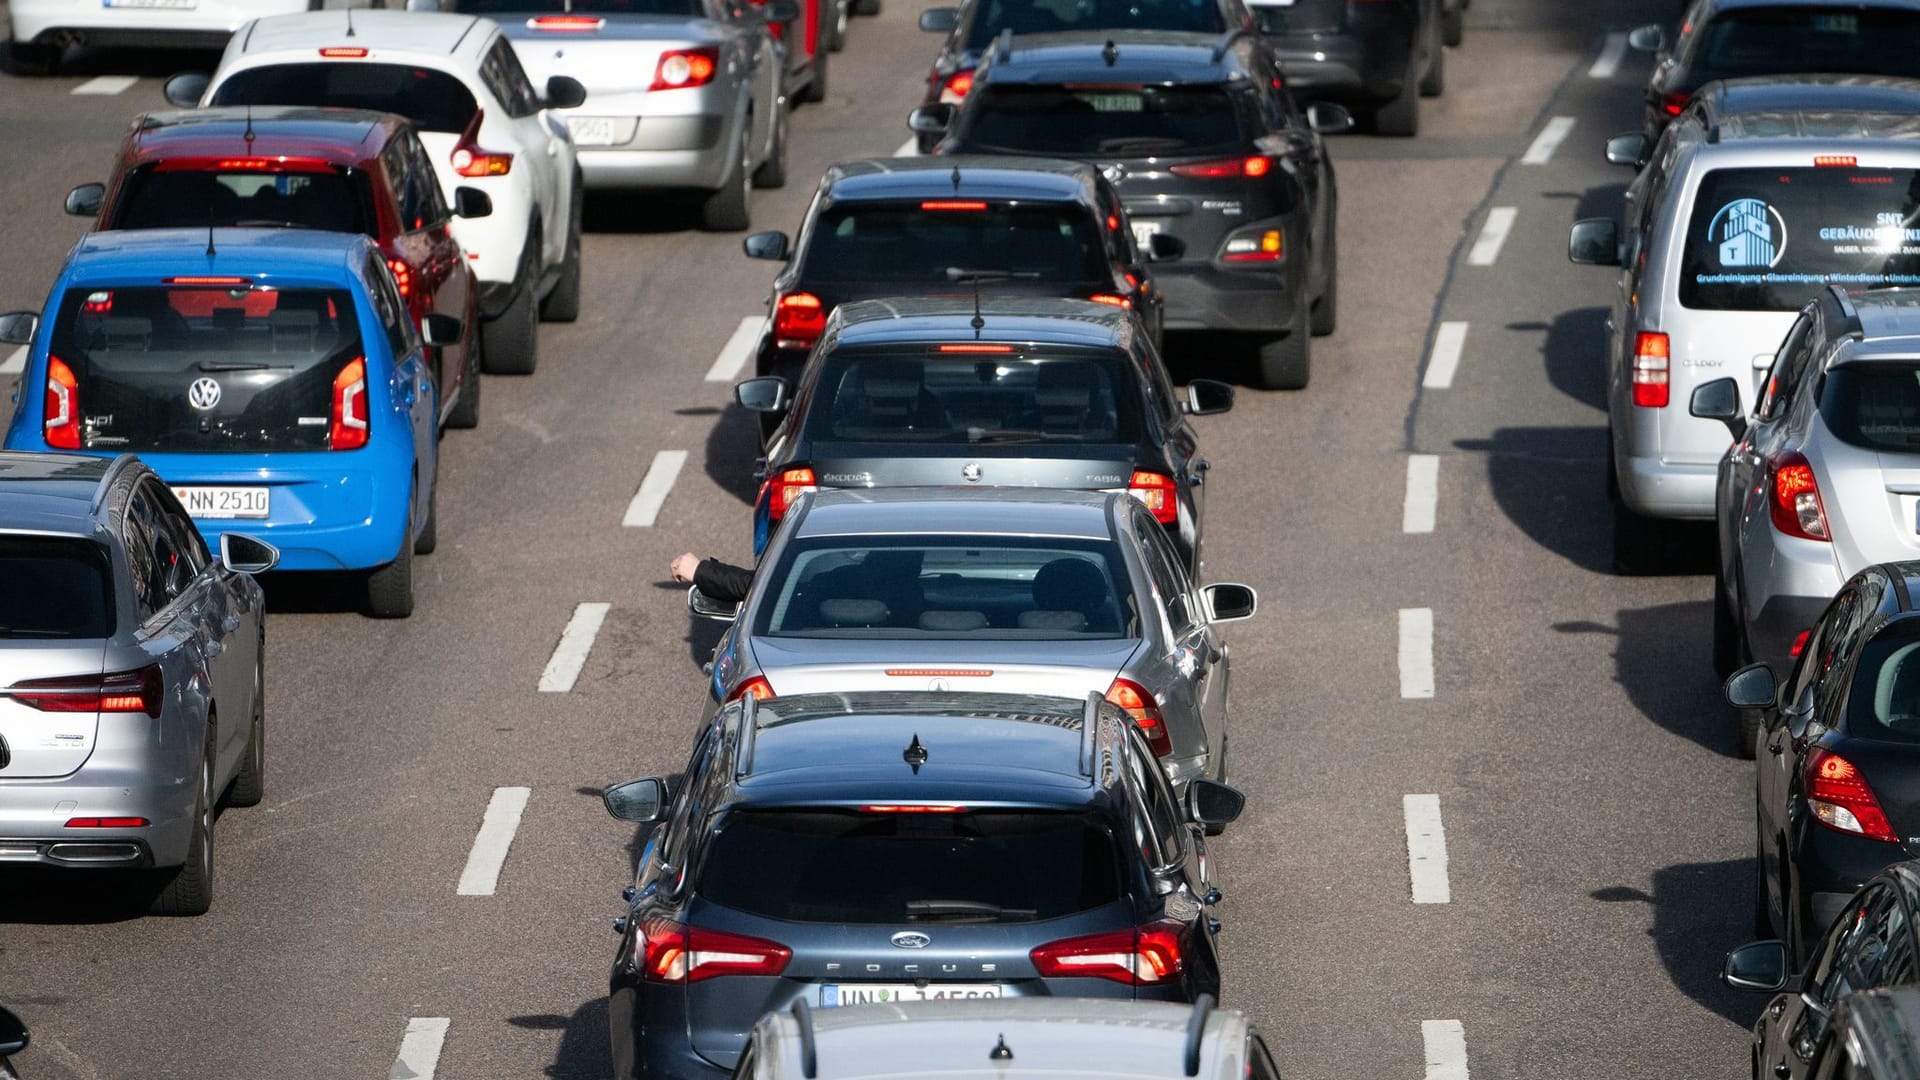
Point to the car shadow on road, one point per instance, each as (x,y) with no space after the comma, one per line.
(658,213)
(1575,354)
(584,1052)
(41,895)
(1662,658)
(310,593)
(1603,200)
(1699,913)
(148,63)
(1195,354)
(733,455)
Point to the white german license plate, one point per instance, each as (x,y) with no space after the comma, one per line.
(171,5)
(223,502)
(591,130)
(1143,232)
(834,995)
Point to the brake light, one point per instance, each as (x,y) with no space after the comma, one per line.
(1650,364)
(1800,643)
(1797,510)
(1841,800)
(349,427)
(953,204)
(1111,300)
(783,489)
(107,823)
(1835,161)
(1266,245)
(1674,102)
(62,426)
(896,808)
(975,348)
(564,24)
(343,52)
(756,687)
(669,952)
(798,319)
(207,279)
(402,277)
(1158,493)
(1213,170)
(683,68)
(1140,705)
(469,160)
(955,89)
(140,691)
(279,163)
(1148,956)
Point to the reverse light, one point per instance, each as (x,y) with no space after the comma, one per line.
(349,426)
(343,52)
(566,24)
(683,68)
(954,90)
(783,489)
(1674,102)
(139,691)
(471,161)
(963,205)
(1213,170)
(1840,798)
(107,823)
(669,952)
(1157,491)
(756,687)
(402,276)
(1650,366)
(798,319)
(62,425)
(1140,705)
(1265,245)
(1148,956)
(1797,510)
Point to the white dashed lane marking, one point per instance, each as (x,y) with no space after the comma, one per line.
(1608,62)
(1446,1049)
(1426,850)
(1423,493)
(1448,343)
(733,355)
(654,487)
(910,148)
(420,1049)
(1549,140)
(1493,235)
(489,854)
(15,363)
(576,641)
(106,85)
(1416,652)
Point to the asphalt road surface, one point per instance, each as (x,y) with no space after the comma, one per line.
(1427,526)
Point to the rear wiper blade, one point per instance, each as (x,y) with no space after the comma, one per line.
(230,365)
(270,223)
(1006,436)
(31,632)
(980,908)
(1138,142)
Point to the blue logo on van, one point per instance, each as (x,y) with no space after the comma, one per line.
(1748,232)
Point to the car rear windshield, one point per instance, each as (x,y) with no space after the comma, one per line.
(199,368)
(995,588)
(919,240)
(1769,239)
(54,588)
(1885,698)
(195,195)
(851,866)
(1049,16)
(1768,40)
(1874,406)
(1084,121)
(433,100)
(966,399)
(583,7)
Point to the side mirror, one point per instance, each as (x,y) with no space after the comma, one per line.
(1751,687)
(184,91)
(1719,399)
(13,1035)
(1649,38)
(1758,967)
(243,554)
(780,11)
(1207,397)
(441,331)
(1329,119)
(1165,247)
(17,327)
(767,394)
(931,119)
(471,202)
(1594,242)
(85,200)
(706,607)
(565,92)
(1213,803)
(771,245)
(1228,602)
(1629,148)
(638,801)
(940,20)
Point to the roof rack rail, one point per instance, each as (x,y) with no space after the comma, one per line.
(809,1058)
(120,464)
(1003,46)
(745,729)
(1090,734)
(1196,1029)
(1225,41)
(1847,310)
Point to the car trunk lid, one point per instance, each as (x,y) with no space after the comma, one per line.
(36,742)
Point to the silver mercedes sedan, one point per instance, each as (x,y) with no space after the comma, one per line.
(1009,590)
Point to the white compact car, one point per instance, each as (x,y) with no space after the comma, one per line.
(42,29)
(481,120)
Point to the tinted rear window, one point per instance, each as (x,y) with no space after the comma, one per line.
(198,369)
(1824,38)
(918,241)
(834,866)
(52,588)
(968,400)
(1771,239)
(165,197)
(433,100)
(1874,406)
(1049,16)
(1125,121)
(1885,699)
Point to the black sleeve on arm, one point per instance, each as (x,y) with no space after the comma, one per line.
(722,581)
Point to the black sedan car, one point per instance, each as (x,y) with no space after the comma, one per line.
(1376,57)
(1003,392)
(1205,146)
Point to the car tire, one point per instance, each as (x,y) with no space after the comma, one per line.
(729,209)
(465,413)
(1399,117)
(1324,316)
(390,587)
(1285,362)
(563,303)
(1434,82)
(188,888)
(27,59)
(772,172)
(429,537)
(510,341)
(249,785)
(816,89)
(833,38)
(1453,25)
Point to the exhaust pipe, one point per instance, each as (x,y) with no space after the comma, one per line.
(67,39)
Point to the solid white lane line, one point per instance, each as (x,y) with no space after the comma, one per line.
(1448,343)
(646,503)
(1416,652)
(733,355)
(1426,850)
(1446,1049)
(489,854)
(1493,234)
(576,641)
(910,148)
(16,363)
(1608,62)
(420,1049)
(1423,493)
(1549,140)
(106,85)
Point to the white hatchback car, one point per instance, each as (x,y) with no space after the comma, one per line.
(481,120)
(42,29)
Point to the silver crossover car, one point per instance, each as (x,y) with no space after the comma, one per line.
(130,674)
(1008,590)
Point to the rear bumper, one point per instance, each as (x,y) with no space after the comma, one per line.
(326,518)
(1664,489)
(1206,296)
(1361,67)
(662,152)
(1830,867)
(132,772)
(1784,589)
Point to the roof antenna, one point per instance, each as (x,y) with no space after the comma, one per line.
(1111,54)
(350,22)
(1001,1051)
(249,132)
(915,754)
(955,273)
(956,179)
(210,251)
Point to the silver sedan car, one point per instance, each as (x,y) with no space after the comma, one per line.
(130,674)
(1009,590)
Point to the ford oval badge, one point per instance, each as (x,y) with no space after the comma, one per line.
(910,939)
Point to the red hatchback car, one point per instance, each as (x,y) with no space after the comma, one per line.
(338,170)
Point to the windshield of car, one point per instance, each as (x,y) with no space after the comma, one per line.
(918,240)
(583,7)
(864,867)
(1769,40)
(968,399)
(198,368)
(433,100)
(1769,239)
(977,587)
(54,588)
(1049,16)
(198,194)
(1885,699)
(1874,406)
(1112,121)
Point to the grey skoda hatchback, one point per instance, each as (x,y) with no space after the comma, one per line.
(130,674)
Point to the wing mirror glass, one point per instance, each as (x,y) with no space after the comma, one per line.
(638,801)
(940,20)
(1594,242)
(1752,687)
(85,200)
(471,202)
(1207,397)
(1213,803)
(931,119)
(1649,38)
(1629,148)
(565,92)
(184,91)
(1228,602)
(441,331)
(243,554)
(1329,119)
(1165,247)
(1719,399)
(706,607)
(13,1034)
(767,394)
(1758,967)
(771,245)
(17,327)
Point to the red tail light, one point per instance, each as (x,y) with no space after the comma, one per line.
(798,319)
(62,406)
(1797,510)
(683,68)
(107,823)
(755,687)
(783,489)
(1158,493)
(975,348)
(1835,161)
(402,277)
(566,24)
(141,691)
(1650,365)
(954,90)
(1211,170)
(1111,300)
(1140,705)
(1841,800)
(349,427)
(1148,956)
(668,952)
(913,808)
(470,160)
(1674,102)
(962,205)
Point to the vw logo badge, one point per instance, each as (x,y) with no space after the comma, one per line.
(970,472)
(909,939)
(204,394)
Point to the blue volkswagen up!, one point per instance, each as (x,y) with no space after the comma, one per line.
(271,377)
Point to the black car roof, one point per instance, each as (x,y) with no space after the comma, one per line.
(975,176)
(55,492)
(1734,5)
(1039,320)
(1817,106)
(1138,56)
